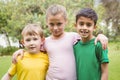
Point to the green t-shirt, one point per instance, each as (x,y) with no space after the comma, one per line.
(89,58)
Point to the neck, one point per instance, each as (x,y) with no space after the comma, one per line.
(58,37)
(33,53)
(87,39)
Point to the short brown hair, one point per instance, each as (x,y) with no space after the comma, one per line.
(56,9)
(32,29)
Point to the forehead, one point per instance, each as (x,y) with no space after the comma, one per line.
(57,17)
(85,19)
(30,36)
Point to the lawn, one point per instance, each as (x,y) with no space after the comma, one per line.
(5,62)
(114,56)
(114,65)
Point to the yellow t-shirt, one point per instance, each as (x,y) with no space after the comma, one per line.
(31,67)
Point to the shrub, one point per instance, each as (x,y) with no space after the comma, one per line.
(7,50)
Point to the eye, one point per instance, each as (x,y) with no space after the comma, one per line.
(35,39)
(81,23)
(59,24)
(27,40)
(88,24)
(51,24)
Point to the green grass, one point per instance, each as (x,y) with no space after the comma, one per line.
(114,56)
(114,65)
(5,62)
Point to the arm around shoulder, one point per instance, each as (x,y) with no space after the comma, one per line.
(16,54)
(7,76)
(103,39)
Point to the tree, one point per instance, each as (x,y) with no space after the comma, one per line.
(112,15)
(16,14)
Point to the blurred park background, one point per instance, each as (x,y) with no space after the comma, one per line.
(15,14)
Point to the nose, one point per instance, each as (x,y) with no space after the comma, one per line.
(55,27)
(84,26)
(31,42)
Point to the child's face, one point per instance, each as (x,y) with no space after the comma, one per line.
(32,43)
(85,27)
(56,24)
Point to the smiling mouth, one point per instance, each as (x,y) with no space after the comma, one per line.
(84,31)
(32,47)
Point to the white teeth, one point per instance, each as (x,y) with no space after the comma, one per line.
(82,31)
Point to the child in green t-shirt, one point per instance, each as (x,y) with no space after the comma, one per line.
(91,60)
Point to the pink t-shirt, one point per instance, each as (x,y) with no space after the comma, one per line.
(61,57)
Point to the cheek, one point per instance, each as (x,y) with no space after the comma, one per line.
(25,43)
(38,43)
(62,27)
(78,27)
(92,29)
(50,28)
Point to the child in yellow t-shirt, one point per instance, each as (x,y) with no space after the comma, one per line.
(34,64)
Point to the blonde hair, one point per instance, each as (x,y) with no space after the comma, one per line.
(32,29)
(56,9)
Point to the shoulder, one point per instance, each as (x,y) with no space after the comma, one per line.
(75,36)
(76,42)
(47,38)
(72,33)
(98,45)
(44,54)
(99,49)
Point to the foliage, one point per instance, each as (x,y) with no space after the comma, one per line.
(15,14)
(7,50)
(112,16)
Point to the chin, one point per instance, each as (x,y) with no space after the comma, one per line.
(32,52)
(57,35)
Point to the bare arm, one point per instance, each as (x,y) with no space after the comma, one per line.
(17,53)
(104,69)
(103,39)
(7,76)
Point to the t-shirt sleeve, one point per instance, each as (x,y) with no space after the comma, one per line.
(12,69)
(101,54)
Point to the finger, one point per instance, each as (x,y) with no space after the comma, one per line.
(14,59)
(105,44)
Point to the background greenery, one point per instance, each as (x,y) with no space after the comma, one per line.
(114,65)
(15,14)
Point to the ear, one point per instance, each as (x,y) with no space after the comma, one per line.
(95,27)
(22,42)
(43,39)
(42,47)
(75,25)
(66,21)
